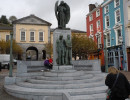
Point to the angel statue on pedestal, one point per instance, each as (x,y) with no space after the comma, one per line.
(62,12)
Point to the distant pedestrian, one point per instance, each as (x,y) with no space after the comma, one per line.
(119,87)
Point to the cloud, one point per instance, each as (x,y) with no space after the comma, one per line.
(45,10)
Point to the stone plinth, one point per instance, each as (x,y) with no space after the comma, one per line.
(9,80)
(56,35)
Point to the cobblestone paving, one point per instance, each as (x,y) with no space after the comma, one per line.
(3,94)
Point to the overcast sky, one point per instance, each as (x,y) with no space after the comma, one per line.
(45,10)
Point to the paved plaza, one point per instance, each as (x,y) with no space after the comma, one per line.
(3,94)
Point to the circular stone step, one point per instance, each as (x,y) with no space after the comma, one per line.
(94,79)
(52,74)
(87,76)
(56,86)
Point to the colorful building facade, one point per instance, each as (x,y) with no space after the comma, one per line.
(113,26)
(126,6)
(94,22)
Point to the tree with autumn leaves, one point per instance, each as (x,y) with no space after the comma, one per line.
(82,46)
(5,48)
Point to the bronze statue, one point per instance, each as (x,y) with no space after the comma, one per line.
(68,44)
(62,13)
(60,48)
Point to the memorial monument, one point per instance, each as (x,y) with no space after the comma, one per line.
(63,82)
(62,46)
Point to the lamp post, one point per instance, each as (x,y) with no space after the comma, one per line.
(99,46)
(11,57)
(106,56)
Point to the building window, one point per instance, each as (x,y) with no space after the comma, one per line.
(23,36)
(41,36)
(31,36)
(106,9)
(107,21)
(119,36)
(129,13)
(108,40)
(91,29)
(117,16)
(7,37)
(117,3)
(97,13)
(90,17)
(110,58)
(98,25)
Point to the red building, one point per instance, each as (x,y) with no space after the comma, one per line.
(94,21)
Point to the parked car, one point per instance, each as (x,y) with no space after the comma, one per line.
(5,60)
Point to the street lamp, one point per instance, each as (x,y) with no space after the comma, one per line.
(106,55)
(99,46)
(11,57)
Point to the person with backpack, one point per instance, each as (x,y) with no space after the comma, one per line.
(118,85)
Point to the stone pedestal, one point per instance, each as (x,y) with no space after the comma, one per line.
(9,80)
(56,35)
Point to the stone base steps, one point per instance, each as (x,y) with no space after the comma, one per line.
(86,76)
(94,79)
(59,85)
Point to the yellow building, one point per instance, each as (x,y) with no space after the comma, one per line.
(32,33)
(5,32)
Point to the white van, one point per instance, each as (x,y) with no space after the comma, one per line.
(4,60)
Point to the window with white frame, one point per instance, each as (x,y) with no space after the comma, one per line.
(23,36)
(91,29)
(106,9)
(116,3)
(32,36)
(110,58)
(98,13)
(128,12)
(7,37)
(107,23)
(91,17)
(41,36)
(119,35)
(108,40)
(98,25)
(117,16)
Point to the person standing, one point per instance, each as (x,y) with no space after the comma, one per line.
(118,84)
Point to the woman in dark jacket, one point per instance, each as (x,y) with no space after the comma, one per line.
(121,90)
